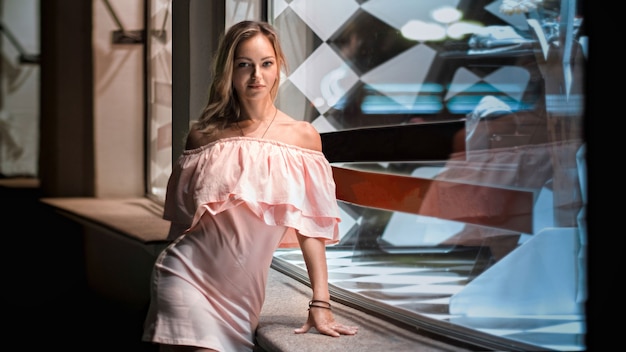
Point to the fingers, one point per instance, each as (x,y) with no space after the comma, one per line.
(340,329)
(303,329)
(324,322)
(334,330)
(347,330)
(328,330)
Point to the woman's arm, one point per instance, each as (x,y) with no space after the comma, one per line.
(320,313)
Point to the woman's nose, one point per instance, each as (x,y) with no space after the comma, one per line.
(255,72)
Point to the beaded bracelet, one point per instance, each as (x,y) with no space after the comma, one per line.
(313,305)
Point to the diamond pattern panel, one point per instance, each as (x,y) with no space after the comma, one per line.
(403,11)
(351,62)
(366,41)
(323,78)
(316,14)
(298,40)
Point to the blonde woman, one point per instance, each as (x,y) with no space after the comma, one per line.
(251,179)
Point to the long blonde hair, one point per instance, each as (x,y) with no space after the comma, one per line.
(223,107)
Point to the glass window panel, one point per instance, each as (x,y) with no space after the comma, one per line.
(455,132)
(466,123)
(159,93)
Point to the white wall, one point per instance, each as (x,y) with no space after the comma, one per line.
(118,101)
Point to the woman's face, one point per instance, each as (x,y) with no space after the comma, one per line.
(255,70)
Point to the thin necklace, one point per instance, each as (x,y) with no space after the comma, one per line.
(239,127)
(268,126)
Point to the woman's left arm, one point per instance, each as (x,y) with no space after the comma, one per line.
(320,311)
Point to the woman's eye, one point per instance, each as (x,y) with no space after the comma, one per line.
(243,64)
(268,63)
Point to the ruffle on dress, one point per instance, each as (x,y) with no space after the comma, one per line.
(283,184)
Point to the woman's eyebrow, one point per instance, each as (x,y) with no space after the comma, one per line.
(247,58)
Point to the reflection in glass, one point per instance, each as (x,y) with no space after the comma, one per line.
(492,235)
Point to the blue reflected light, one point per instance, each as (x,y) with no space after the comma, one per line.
(407,104)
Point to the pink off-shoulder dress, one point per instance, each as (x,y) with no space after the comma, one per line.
(232,203)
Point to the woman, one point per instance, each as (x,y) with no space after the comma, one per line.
(251,179)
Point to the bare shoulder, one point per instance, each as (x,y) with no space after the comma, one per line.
(298,133)
(308,136)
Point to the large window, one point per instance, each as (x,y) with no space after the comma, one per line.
(19,89)
(455,131)
(454,128)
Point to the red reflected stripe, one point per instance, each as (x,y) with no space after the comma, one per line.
(503,208)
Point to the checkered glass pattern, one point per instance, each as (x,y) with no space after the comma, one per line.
(350,66)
